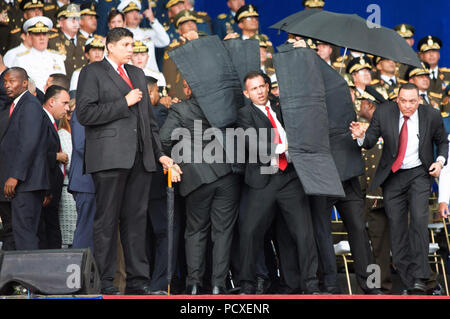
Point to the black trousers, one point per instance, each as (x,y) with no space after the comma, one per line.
(122,197)
(406,193)
(212,207)
(26,211)
(6,234)
(49,232)
(285,195)
(351,210)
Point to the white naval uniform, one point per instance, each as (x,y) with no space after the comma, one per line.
(74,80)
(157,75)
(10,55)
(40,65)
(154,37)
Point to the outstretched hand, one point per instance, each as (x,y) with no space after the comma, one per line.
(357,130)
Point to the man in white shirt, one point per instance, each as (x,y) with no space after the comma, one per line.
(156,36)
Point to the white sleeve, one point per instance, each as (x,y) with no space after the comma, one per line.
(74,80)
(444,185)
(159,35)
(66,145)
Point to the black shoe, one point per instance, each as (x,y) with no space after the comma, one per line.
(159,292)
(373,291)
(419,288)
(110,291)
(194,289)
(247,288)
(261,285)
(333,290)
(138,290)
(217,290)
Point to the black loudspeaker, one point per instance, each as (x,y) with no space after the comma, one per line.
(50,272)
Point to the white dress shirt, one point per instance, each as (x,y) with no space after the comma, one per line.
(388,79)
(115,66)
(434,71)
(444,183)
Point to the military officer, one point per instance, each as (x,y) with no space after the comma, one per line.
(313,4)
(203,19)
(51,8)
(225,23)
(68,40)
(406,31)
(11,21)
(446,100)
(385,75)
(429,51)
(11,54)
(88,20)
(154,37)
(421,78)
(173,8)
(104,7)
(140,58)
(40,62)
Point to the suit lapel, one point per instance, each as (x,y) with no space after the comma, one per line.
(422,125)
(260,119)
(115,77)
(395,122)
(16,108)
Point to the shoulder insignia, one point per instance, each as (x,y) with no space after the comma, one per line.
(52,36)
(49,7)
(23,53)
(338,65)
(200,20)
(202,13)
(402,81)
(436,95)
(222,16)
(54,51)
(444,114)
(174,43)
(375,81)
(166,55)
(14,31)
(447,70)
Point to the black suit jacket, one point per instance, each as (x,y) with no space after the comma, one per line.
(110,125)
(54,146)
(385,123)
(251,117)
(23,148)
(183,115)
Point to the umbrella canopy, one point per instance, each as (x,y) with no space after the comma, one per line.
(352,32)
(293,18)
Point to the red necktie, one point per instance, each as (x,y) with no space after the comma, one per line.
(282,161)
(56,128)
(403,142)
(11,109)
(124,76)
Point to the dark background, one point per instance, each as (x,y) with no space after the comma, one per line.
(429,17)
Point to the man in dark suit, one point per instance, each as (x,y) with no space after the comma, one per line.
(113,106)
(268,190)
(56,105)
(81,186)
(24,172)
(212,196)
(410,131)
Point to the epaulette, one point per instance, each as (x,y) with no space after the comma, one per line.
(14,31)
(436,95)
(54,51)
(98,36)
(402,81)
(174,43)
(340,59)
(221,16)
(447,70)
(339,64)
(444,114)
(54,35)
(202,13)
(374,82)
(23,53)
(49,7)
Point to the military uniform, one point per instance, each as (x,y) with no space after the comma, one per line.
(10,30)
(225,24)
(50,10)
(406,31)
(40,64)
(59,42)
(159,11)
(103,9)
(140,47)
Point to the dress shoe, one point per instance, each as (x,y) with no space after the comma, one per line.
(247,288)
(194,289)
(217,290)
(373,291)
(419,288)
(261,285)
(159,292)
(138,290)
(110,291)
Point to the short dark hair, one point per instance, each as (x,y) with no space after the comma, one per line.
(408,86)
(20,71)
(253,74)
(151,80)
(52,91)
(117,34)
(113,13)
(61,80)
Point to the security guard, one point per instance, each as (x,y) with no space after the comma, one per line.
(156,37)
(406,31)
(40,62)
(313,4)
(68,40)
(385,74)
(225,23)
(429,51)
(421,78)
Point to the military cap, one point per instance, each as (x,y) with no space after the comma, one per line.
(31,4)
(93,43)
(39,24)
(68,11)
(313,3)
(359,63)
(378,59)
(405,30)
(429,42)
(413,71)
(248,10)
(139,47)
(88,9)
(184,16)
(262,40)
(171,3)
(372,95)
(129,5)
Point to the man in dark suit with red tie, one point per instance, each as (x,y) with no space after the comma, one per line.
(24,175)
(405,173)
(269,189)
(56,105)
(122,150)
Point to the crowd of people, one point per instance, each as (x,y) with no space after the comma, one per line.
(90,96)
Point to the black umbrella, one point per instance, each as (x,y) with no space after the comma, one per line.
(293,18)
(352,32)
(170,216)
